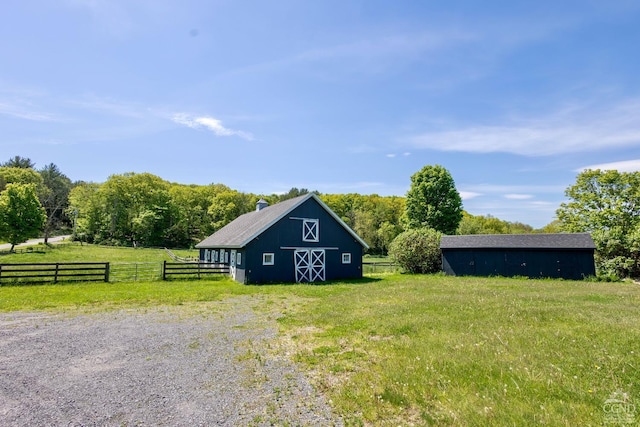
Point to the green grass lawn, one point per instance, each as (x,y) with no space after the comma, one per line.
(428,350)
(76,252)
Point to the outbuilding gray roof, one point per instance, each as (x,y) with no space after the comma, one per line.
(245,228)
(519,241)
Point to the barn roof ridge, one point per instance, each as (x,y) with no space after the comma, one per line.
(242,230)
(523,241)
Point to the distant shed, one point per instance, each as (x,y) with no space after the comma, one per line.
(566,255)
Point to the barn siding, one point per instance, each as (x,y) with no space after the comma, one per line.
(287,233)
(565,264)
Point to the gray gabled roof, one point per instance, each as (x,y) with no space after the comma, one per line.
(242,230)
(519,241)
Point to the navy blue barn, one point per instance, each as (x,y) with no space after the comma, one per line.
(298,240)
(566,256)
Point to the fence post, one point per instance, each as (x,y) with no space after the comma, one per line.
(164,270)
(55,277)
(106,271)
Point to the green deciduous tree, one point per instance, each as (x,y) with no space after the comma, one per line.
(15,175)
(602,200)
(228,205)
(55,197)
(607,204)
(128,209)
(417,250)
(377,219)
(190,220)
(21,214)
(480,224)
(433,201)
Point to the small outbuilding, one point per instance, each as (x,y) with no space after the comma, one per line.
(565,255)
(297,240)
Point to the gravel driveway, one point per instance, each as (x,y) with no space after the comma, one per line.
(209,364)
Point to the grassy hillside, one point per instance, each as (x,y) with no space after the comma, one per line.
(428,350)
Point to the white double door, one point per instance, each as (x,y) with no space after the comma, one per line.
(310,265)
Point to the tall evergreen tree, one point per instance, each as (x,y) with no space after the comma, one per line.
(19,162)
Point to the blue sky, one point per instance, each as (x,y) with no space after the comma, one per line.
(514,98)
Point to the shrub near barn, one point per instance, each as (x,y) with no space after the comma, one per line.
(417,250)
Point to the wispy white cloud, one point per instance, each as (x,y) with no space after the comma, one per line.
(110,106)
(623,166)
(373,53)
(210,123)
(576,129)
(513,196)
(512,189)
(468,195)
(26,112)
(398,44)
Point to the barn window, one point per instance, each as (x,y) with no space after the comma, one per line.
(310,230)
(238,258)
(346,258)
(214,255)
(267,259)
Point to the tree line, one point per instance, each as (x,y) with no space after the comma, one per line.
(141,209)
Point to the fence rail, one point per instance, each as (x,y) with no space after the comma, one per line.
(192,269)
(379,267)
(55,272)
(135,271)
(179,258)
(126,272)
(26,250)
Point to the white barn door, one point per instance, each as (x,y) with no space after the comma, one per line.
(310,265)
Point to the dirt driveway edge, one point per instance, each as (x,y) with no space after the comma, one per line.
(172,366)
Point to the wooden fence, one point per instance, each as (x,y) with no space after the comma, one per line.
(193,269)
(379,267)
(26,250)
(55,272)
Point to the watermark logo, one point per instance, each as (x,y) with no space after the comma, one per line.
(619,410)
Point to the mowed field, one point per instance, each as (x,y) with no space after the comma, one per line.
(402,349)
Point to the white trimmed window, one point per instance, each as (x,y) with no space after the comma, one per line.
(310,230)
(346,258)
(268,258)
(238,258)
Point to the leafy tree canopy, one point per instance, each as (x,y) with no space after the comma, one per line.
(433,201)
(607,204)
(21,214)
(55,197)
(479,224)
(16,175)
(602,200)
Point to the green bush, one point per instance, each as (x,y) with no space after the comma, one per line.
(417,250)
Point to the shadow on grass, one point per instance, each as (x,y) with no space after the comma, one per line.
(32,283)
(363,281)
